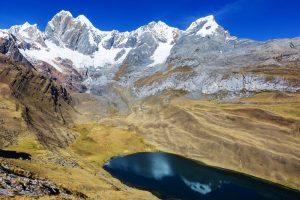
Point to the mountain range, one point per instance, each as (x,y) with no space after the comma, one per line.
(204,59)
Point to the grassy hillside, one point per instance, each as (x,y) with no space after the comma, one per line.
(259,135)
(79,167)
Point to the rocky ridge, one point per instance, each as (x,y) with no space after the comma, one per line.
(46,106)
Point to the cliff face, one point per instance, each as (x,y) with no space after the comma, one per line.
(46,106)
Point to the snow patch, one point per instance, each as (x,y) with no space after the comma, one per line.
(161,53)
(53,51)
(99,59)
(107,56)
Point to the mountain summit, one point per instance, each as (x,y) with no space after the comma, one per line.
(203,26)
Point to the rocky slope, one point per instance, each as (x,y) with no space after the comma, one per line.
(15,181)
(45,106)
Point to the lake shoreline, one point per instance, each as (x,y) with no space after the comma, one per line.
(251,183)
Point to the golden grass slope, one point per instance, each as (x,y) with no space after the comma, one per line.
(79,167)
(11,120)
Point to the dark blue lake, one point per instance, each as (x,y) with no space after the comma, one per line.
(169,176)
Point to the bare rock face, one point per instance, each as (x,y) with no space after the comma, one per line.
(9,47)
(215,52)
(74,33)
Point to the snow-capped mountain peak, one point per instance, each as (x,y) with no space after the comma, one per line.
(149,45)
(84,20)
(22,28)
(64,13)
(73,46)
(27,25)
(74,33)
(206,19)
(160,31)
(203,26)
(157,25)
(28,33)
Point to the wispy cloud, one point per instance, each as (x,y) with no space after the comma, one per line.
(239,6)
(230,8)
(233,8)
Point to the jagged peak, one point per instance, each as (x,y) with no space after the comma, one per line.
(24,26)
(28,33)
(157,23)
(25,29)
(203,26)
(159,30)
(64,13)
(156,26)
(207,18)
(84,20)
(61,14)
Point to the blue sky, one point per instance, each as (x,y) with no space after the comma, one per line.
(255,19)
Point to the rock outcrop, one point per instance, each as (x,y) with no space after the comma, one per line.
(19,182)
(9,46)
